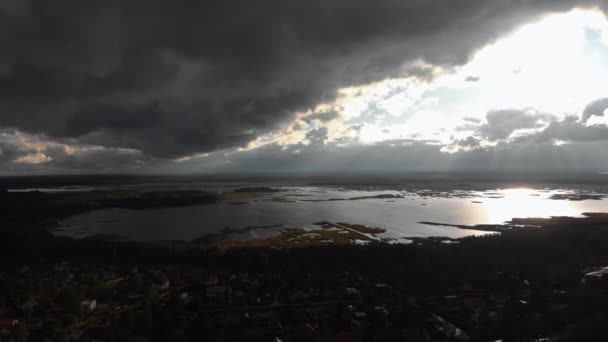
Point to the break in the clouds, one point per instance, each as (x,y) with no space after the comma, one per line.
(131,84)
(20,152)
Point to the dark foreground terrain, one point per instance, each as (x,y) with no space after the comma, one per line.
(542,282)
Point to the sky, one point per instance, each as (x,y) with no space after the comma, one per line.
(190,86)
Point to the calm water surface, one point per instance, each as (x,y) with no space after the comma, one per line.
(302,206)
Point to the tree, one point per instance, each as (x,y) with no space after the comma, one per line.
(22,333)
(177,335)
(70,299)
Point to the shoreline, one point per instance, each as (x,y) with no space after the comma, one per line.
(46,210)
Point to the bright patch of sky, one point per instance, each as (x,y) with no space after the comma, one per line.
(556,65)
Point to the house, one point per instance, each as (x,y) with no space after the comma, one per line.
(299,296)
(596,278)
(164,286)
(598,273)
(359,315)
(351,292)
(30,306)
(212,280)
(88,305)
(221,293)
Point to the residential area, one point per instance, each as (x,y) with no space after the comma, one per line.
(81,301)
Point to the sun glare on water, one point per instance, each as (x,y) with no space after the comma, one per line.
(503,205)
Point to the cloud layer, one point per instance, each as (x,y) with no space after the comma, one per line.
(176,78)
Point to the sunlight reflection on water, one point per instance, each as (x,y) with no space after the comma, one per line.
(302,206)
(521,203)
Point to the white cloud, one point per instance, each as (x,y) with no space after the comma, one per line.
(33,158)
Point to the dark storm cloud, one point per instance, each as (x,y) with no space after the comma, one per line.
(402,157)
(9,152)
(500,124)
(172,78)
(98,160)
(389,155)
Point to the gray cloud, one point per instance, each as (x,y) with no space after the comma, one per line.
(388,155)
(469,142)
(570,130)
(467,128)
(403,157)
(323,117)
(595,108)
(317,136)
(472,79)
(500,124)
(99,160)
(471,124)
(57,156)
(472,119)
(173,78)
(9,152)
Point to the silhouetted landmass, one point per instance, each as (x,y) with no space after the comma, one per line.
(589,219)
(237,203)
(578,197)
(480,227)
(544,278)
(436,181)
(288,237)
(34,212)
(257,189)
(522,284)
(380,196)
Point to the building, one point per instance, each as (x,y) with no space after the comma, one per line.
(88,305)
(164,286)
(219,294)
(596,278)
